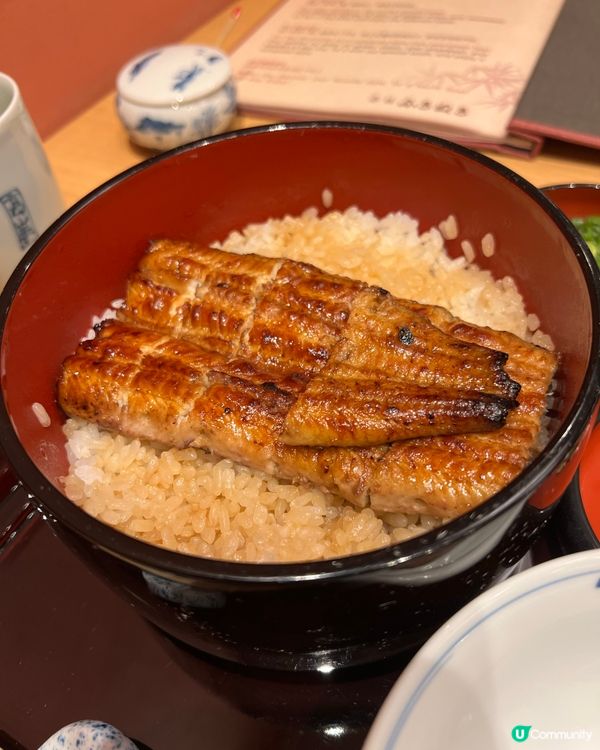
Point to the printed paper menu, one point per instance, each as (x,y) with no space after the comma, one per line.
(451,67)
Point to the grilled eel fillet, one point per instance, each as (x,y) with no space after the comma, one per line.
(147,384)
(369,369)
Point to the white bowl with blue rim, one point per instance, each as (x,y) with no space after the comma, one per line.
(519,664)
(176,94)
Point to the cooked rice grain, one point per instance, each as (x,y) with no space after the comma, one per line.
(41,414)
(199,504)
(488,245)
(449,228)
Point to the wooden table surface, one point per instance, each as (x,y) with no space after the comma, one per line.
(94,146)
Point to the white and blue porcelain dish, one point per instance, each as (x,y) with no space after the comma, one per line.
(175,94)
(88,735)
(519,663)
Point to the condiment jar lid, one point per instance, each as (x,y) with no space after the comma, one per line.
(173,75)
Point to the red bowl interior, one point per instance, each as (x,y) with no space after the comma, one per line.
(203,192)
(575,199)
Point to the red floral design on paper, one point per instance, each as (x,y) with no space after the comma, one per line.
(501,83)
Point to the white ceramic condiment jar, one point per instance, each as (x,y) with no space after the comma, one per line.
(176,94)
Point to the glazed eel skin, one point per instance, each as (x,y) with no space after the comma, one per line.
(188,365)
(369,369)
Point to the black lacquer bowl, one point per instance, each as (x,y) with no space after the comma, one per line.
(575,526)
(318,615)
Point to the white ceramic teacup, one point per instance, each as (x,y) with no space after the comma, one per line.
(29,197)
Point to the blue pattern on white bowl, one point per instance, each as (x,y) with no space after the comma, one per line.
(231,96)
(141,64)
(148,124)
(184,77)
(205,124)
(88,735)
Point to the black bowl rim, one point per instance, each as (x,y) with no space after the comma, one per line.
(410,552)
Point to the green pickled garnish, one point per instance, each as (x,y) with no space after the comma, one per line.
(589,228)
